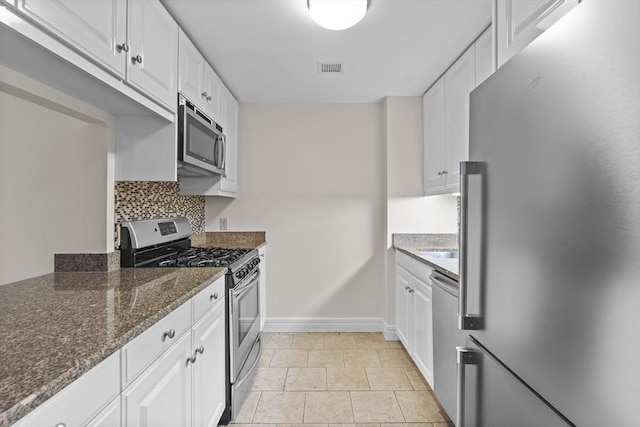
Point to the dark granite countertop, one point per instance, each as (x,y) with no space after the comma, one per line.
(413,244)
(56,327)
(230,239)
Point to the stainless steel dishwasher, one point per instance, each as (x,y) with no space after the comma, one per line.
(446,337)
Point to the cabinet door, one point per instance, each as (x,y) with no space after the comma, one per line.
(213,90)
(423,329)
(96,28)
(459,81)
(82,400)
(519,22)
(153,39)
(404,308)
(433,123)
(484,56)
(161,396)
(191,71)
(209,379)
(230,127)
(109,417)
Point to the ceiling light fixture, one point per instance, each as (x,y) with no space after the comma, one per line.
(337,14)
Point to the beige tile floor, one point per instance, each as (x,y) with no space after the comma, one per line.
(338,380)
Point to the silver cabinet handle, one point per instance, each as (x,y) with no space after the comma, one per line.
(137,59)
(193,358)
(169,334)
(440,173)
(410,290)
(61,425)
(464,357)
(445,172)
(209,98)
(214,296)
(204,95)
(465,322)
(122,47)
(406,288)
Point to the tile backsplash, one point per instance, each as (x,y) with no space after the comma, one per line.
(151,199)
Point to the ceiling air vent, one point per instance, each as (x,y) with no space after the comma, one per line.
(330,67)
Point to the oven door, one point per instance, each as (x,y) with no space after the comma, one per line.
(244,320)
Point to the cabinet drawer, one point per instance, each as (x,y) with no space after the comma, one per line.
(404,260)
(145,348)
(206,299)
(421,270)
(81,400)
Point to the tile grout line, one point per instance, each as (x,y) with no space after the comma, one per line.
(395,396)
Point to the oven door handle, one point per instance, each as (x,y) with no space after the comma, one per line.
(241,290)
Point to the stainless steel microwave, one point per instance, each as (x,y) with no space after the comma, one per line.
(201,143)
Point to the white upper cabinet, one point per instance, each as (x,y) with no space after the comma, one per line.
(484,56)
(446,116)
(198,82)
(519,22)
(433,124)
(135,41)
(98,29)
(229,183)
(459,81)
(153,49)
(191,71)
(212,93)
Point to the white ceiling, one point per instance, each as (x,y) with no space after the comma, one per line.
(268,50)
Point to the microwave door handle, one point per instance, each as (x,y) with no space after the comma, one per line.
(223,141)
(220,152)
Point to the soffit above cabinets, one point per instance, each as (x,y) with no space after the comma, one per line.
(268,51)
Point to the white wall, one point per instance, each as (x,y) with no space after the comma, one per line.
(408,211)
(56,177)
(312,177)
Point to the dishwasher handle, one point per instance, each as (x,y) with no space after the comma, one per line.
(446,284)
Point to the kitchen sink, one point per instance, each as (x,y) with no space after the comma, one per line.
(440,254)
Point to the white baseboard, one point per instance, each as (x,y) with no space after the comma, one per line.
(330,324)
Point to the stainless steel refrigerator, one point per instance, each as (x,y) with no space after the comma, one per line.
(550,230)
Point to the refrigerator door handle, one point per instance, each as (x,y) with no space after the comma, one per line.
(465,322)
(465,356)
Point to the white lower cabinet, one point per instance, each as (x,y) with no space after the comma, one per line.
(404,308)
(172,375)
(209,395)
(162,394)
(414,307)
(82,402)
(423,329)
(109,417)
(186,385)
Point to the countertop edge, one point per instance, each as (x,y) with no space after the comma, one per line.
(47,391)
(413,253)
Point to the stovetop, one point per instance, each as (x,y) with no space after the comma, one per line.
(204,257)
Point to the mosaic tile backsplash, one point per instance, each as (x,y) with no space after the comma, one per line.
(148,200)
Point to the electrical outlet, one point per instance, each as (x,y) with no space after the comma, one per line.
(223,223)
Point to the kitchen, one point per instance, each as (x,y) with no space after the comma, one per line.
(341,218)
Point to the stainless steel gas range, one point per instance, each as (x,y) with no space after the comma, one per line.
(166,242)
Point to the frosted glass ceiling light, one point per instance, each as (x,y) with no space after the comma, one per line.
(337,14)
